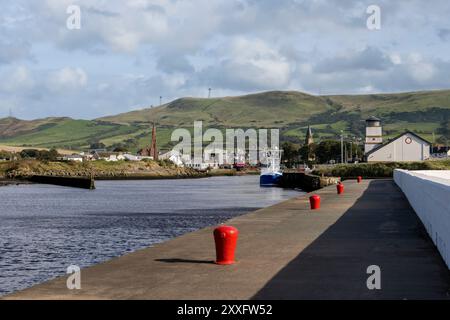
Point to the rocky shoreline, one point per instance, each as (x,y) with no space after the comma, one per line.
(96,169)
(20,172)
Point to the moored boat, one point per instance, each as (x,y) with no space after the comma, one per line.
(271,173)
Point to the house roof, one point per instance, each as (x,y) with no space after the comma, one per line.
(107,154)
(372,118)
(396,138)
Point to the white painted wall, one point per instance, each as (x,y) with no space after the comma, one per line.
(369,146)
(374,132)
(373,138)
(400,150)
(428,192)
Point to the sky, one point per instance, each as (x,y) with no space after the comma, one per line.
(129,53)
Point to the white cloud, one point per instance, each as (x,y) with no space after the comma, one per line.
(369,58)
(180,48)
(17,79)
(248,64)
(395,58)
(420,69)
(67,78)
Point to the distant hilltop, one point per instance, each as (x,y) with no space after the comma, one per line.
(426,113)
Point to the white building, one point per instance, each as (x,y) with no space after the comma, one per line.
(108,156)
(115,157)
(173,156)
(212,159)
(72,157)
(406,147)
(131,157)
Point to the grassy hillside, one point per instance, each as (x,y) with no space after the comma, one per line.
(10,127)
(257,110)
(60,132)
(426,113)
(386,104)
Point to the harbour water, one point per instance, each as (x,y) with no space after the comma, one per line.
(44,229)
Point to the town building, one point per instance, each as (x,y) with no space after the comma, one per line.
(407,146)
(174,156)
(131,157)
(72,157)
(108,156)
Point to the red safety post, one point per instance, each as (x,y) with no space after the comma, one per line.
(340,188)
(225,238)
(359,179)
(314,200)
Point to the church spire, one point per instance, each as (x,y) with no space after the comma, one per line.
(309,137)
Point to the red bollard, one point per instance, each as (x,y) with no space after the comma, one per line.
(225,238)
(340,188)
(359,179)
(314,200)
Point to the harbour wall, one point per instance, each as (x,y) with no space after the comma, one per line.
(284,252)
(76,182)
(428,192)
(306,182)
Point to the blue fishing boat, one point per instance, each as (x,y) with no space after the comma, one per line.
(270,171)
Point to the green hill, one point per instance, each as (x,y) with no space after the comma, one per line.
(427,113)
(256,110)
(59,132)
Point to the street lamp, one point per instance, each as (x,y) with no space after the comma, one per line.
(351,148)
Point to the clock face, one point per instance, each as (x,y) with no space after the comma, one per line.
(408,140)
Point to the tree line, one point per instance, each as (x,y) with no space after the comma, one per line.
(43,155)
(326,151)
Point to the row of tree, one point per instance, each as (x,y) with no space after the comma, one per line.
(324,152)
(44,155)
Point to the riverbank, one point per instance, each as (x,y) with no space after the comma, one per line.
(103,170)
(285,251)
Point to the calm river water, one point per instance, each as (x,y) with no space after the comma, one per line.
(44,229)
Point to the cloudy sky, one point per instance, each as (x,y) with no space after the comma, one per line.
(128,53)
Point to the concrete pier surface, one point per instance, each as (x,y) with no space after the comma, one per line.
(285,251)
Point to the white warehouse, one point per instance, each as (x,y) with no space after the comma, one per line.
(406,147)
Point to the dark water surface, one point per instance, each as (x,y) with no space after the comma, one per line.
(44,229)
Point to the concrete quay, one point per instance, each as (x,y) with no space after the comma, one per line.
(285,251)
